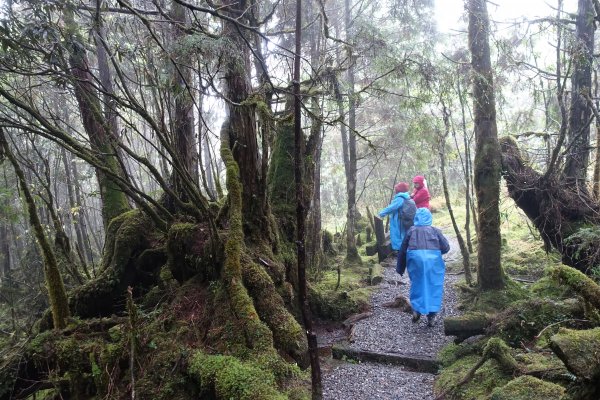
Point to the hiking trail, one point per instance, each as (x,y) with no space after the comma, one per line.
(398,358)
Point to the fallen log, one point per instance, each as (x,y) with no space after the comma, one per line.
(584,286)
(467,325)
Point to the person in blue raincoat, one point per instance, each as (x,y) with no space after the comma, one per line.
(421,254)
(394,209)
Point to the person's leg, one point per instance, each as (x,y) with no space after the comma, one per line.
(431,318)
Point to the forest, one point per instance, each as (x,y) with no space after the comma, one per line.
(190,194)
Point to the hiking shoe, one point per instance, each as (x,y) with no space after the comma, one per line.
(416,316)
(430,319)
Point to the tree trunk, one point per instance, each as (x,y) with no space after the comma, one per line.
(5,249)
(464,251)
(487,153)
(351,250)
(54,283)
(301,203)
(242,129)
(578,137)
(467,167)
(82,248)
(596,182)
(114,201)
(182,125)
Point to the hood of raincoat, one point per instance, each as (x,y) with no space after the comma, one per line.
(419,179)
(423,217)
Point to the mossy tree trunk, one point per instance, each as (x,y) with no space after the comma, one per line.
(56,290)
(487,150)
(301,207)
(242,127)
(114,200)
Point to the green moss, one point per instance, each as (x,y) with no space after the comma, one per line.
(188,254)
(523,320)
(528,388)
(288,335)
(550,288)
(452,352)
(280,180)
(580,283)
(485,380)
(579,351)
(490,301)
(229,378)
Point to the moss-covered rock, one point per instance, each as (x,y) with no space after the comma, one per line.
(528,388)
(580,351)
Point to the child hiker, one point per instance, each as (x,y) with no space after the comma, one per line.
(421,254)
(401,211)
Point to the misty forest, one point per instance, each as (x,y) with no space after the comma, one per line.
(191,196)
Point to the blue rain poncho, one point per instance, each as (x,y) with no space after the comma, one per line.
(397,232)
(421,254)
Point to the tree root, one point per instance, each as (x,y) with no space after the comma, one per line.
(496,349)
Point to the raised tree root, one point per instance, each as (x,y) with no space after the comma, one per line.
(556,210)
(496,349)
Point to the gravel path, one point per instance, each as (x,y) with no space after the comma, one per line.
(389,330)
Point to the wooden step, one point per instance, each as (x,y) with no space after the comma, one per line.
(415,362)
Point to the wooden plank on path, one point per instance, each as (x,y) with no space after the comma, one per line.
(415,362)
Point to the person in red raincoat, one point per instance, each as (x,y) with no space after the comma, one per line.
(420,195)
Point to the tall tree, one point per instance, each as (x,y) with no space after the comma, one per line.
(114,200)
(578,137)
(56,290)
(487,165)
(351,250)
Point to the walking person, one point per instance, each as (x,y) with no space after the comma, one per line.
(401,211)
(421,254)
(420,194)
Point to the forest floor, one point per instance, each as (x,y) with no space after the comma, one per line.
(389,331)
